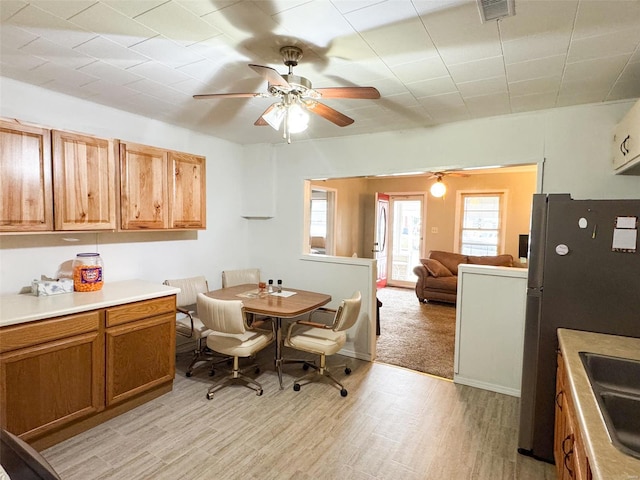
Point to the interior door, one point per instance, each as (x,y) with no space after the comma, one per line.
(381,237)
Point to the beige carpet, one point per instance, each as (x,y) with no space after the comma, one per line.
(415,336)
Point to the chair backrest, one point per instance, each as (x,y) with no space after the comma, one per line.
(225,316)
(347,313)
(231,278)
(189,289)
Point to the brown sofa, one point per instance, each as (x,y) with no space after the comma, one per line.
(438,274)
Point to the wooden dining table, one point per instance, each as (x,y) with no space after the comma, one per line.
(289,303)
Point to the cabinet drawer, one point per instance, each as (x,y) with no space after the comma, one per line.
(139,310)
(34,333)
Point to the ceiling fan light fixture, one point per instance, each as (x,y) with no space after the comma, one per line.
(438,189)
(297,118)
(275,116)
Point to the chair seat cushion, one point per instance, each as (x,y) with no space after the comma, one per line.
(183,326)
(239,345)
(316,340)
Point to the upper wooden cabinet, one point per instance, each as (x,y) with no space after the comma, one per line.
(25,169)
(61,181)
(144,187)
(84,179)
(188,179)
(161,189)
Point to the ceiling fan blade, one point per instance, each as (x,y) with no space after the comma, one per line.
(329,113)
(228,95)
(349,92)
(271,75)
(261,122)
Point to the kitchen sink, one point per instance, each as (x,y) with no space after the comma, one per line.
(613,373)
(616,384)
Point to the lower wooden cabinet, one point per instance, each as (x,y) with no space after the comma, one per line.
(47,386)
(64,375)
(568,448)
(140,356)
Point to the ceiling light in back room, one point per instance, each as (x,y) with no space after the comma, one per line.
(438,189)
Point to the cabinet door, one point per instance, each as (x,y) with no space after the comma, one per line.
(144,187)
(560,424)
(140,356)
(25,168)
(626,142)
(84,178)
(188,209)
(47,386)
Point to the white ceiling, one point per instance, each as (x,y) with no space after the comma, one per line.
(433,61)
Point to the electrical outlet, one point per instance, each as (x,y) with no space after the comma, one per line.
(434,229)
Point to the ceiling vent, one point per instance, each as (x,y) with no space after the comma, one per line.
(495,9)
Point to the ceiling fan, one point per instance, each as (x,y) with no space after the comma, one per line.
(297,97)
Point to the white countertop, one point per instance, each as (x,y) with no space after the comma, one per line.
(492,270)
(605,460)
(22,308)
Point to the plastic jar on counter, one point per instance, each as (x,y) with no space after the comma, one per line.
(87,272)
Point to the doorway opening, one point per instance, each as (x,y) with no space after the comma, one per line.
(406,239)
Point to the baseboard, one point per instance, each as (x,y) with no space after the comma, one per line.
(470,382)
(359,355)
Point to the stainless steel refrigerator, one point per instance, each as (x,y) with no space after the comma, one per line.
(584,274)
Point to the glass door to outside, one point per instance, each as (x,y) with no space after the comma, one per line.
(406,239)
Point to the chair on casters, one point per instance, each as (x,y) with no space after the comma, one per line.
(323,339)
(187,322)
(230,335)
(231,278)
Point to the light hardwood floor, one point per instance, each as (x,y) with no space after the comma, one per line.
(394,424)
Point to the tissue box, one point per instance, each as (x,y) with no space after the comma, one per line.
(51,287)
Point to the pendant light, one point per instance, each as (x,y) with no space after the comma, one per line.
(438,189)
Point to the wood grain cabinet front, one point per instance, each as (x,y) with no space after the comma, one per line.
(188,206)
(144,187)
(161,189)
(140,343)
(84,179)
(570,453)
(64,375)
(25,168)
(51,374)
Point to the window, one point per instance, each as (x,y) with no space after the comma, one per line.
(481,223)
(318,214)
(321,220)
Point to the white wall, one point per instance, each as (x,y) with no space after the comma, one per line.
(153,256)
(575,142)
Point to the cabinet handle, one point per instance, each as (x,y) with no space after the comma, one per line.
(566,463)
(564,446)
(623,146)
(560,393)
